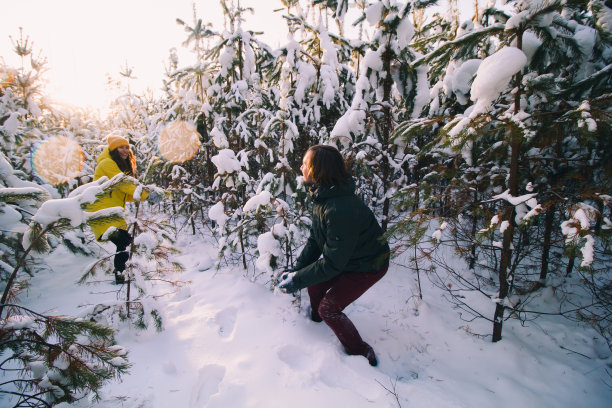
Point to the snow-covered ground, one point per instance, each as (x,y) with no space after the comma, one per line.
(231,342)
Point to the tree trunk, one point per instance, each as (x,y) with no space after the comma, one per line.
(20,263)
(193,215)
(548,227)
(473,232)
(241,236)
(509,213)
(570,263)
(504,263)
(509,216)
(387,125)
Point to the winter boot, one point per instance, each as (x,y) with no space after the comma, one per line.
(119,278)
(314,316)
(370,355)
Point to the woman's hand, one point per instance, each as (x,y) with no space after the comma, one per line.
(285,282)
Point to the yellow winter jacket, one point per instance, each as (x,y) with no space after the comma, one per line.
(116,197)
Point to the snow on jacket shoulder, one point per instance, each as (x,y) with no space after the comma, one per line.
(345,232)
(116,197)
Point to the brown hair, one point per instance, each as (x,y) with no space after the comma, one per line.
(327,166)
(127,166)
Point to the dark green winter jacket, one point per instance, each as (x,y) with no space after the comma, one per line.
(345,231)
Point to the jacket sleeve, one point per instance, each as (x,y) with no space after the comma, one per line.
(309,254)
(340,241)
(109,168)
(128,188)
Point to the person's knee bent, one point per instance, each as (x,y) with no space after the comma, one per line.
(328,309)
(120,260)
(121,238)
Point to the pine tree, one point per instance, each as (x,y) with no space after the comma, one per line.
(47,359)
(509,178)
(151,257)
(387,90)
(22,104)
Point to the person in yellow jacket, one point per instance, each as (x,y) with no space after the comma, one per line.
(116,158)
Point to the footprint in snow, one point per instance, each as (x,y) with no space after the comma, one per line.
(297,358)
(207,385)
(204,264)
(226,321)
(354,375)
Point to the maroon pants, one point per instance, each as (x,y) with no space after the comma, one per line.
(328,300)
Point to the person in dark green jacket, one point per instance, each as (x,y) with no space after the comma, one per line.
(345,254)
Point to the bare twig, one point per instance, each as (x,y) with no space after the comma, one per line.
(392,391)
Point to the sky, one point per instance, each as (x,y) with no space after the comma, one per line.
(85,41)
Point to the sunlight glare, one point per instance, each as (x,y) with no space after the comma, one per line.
(57,160)
(179,141)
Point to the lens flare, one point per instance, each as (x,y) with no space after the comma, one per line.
(5,79)
(57,159)
(179,141)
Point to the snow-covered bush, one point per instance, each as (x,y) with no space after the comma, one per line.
(512,153)
(48,360)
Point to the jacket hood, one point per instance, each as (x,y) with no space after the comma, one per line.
(104,155)
(324,192)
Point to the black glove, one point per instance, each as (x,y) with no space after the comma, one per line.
(285,282)
(282,275)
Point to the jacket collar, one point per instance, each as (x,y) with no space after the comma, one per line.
(320,193)
(104,155)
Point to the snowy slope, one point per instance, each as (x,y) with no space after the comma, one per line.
(230,342)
